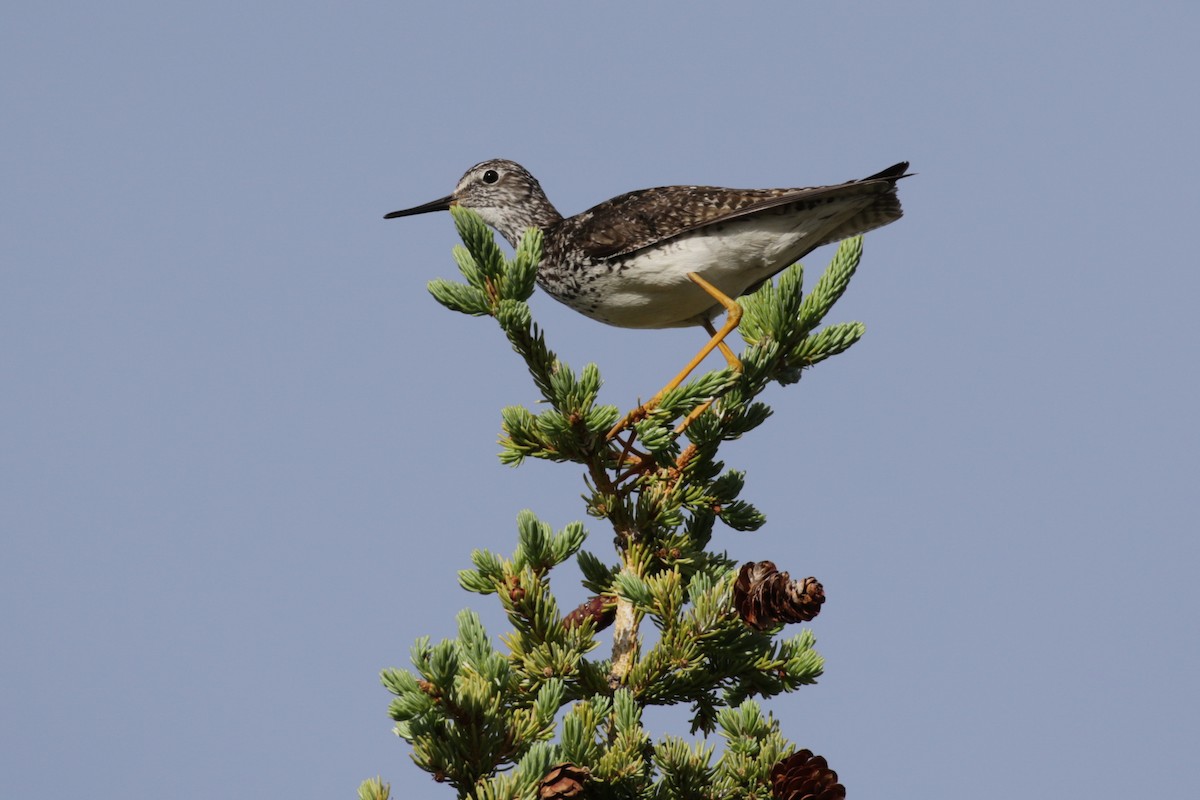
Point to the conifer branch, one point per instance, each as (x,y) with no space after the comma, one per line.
(482,719)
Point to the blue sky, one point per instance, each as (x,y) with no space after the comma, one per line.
(244,452)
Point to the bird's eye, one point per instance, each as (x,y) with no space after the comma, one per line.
(491,176)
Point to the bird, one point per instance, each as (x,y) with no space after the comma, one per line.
(671,256)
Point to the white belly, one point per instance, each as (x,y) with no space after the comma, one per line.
(654,291)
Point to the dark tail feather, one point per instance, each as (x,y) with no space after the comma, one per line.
(884,209)
(893,173)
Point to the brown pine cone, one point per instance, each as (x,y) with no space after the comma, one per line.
(765,597)
(563,781)
(516,593)
(599,609)
(804,776)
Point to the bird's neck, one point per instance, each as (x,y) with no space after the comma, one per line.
(513,220)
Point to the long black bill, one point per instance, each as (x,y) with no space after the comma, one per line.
(441,204)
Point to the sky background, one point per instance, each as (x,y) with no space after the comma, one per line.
(244,453)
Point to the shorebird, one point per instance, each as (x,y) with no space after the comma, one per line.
(673,256)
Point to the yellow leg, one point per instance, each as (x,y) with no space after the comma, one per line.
(732,360)
(734,363)
(732,317)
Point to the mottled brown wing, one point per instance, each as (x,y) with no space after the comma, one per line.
(647,217)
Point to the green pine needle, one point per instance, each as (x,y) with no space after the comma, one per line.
(458,297)
(828,341)
(480,242)
(520,280)
(633,589)
(831,284)
(374,789)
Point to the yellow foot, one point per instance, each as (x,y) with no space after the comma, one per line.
(637,415)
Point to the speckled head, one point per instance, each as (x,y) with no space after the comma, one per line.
(502,192)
